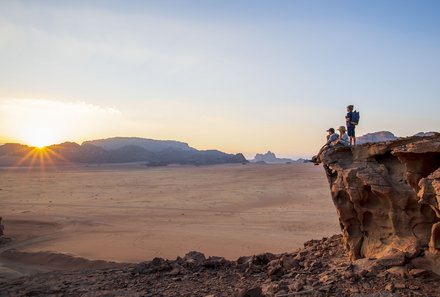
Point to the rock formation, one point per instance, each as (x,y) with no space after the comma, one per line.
(376,137)
(3,239)
(422,134)
(271,158)
(387,197)
(1,227)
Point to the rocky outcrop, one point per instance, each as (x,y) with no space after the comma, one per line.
(267,157)
(376,137)
(3,239)
(387,197)
(1,227)
(422,134)
(271,158)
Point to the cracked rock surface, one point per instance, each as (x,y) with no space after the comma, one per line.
(387,197)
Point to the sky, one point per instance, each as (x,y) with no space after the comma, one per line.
(238,76)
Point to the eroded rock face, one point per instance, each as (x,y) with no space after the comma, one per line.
(387,196)
(1,227)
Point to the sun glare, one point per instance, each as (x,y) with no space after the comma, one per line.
(40,139)
(41,157)
(40,122)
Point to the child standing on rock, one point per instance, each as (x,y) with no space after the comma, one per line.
(351,120)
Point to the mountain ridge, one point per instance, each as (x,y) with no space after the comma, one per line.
(116,150)
(153,145)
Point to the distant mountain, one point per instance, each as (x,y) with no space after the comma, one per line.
(270,158)
(117,150)
(151,145)
(422,134)
(386,136)
(14,149)
(376,137)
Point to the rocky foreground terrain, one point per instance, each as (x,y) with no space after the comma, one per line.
(321,268)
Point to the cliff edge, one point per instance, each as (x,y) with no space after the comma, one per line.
(387,197)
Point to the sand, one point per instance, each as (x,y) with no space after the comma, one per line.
(131,213)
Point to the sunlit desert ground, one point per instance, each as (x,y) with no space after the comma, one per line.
(134,213)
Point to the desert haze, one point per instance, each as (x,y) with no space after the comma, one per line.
(130,213)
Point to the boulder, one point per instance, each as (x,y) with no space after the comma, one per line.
(251,292)
(194,256)
(396,259)
(216,262)
(153,266)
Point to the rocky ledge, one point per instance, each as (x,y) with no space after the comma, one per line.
(387,197)
(321,268)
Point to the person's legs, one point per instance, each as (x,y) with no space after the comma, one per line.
(350,133)
(317,159)
(354,135)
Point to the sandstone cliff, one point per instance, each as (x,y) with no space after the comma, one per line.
(387,197)
(1,227)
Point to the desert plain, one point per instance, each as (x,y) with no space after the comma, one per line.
(132,213)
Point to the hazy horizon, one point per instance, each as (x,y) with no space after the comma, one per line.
(248,157)
(248,76)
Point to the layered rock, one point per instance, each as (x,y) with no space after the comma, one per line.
(387,197)
(1,227)
(376,137)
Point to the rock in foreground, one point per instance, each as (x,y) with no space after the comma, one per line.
(321,268)
(387,196)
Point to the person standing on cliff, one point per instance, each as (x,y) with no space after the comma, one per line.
(350,125)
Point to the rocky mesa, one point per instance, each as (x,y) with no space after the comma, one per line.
(387,197)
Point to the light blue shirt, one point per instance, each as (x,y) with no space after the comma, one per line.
(344,139)
(333,137)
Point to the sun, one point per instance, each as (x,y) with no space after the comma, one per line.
(41,140)
(40,137)
(40,144)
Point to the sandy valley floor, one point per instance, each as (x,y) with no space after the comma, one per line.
(133,213)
